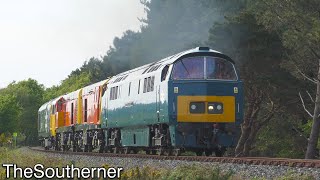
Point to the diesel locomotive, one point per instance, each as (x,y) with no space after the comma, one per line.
(191,101)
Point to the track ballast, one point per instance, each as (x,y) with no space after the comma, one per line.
(236,160)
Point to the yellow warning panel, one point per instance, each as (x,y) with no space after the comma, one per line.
(79,108)
(53,124)
(184,115)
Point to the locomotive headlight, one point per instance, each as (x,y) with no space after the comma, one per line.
(197,107)
(215,108)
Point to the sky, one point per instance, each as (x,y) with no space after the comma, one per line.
(46,39)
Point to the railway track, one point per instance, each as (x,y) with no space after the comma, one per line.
(237,160)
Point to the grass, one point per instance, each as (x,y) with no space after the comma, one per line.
(183,172)
(17,156)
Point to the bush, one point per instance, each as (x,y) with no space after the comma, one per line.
(183,172)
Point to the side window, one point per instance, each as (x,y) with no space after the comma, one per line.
(119,92)
(129,89)
(139,87)
(111,93)
(52,109)
(72,113)
(39,118)
(145,85)
(149,84)
(164,73)
(59,106)
(104,89)
(116,93)
(85,110)
(152,83)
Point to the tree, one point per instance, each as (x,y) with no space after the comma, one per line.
(73,82)
(10,113)
(298,24)
(258,53)
(29,97)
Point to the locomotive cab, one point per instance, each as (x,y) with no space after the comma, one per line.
(207,102)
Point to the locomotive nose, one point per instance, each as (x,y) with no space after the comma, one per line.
(214,102)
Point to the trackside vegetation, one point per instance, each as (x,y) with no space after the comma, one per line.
(185,172)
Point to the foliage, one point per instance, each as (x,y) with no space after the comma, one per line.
(248,35)
(72,83)
(180,172)
(7,140)
(198,172)
(3,139)
(10,113)
(286,143)
(145,173)
(24,157)
(19,105)
(297,23)
(294,176)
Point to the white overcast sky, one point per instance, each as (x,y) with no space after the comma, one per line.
(47,39)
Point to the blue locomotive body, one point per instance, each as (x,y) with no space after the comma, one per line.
(189,101)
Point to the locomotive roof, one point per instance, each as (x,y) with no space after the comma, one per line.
(91,87)
(71,95)
(44,106)
(86,90)
(201,51)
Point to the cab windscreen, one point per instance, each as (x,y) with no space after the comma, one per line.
(204,67)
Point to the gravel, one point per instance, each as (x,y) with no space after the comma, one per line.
(241,170)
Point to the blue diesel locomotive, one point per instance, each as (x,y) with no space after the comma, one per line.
(189,101)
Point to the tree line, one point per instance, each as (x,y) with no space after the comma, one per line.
(274,43)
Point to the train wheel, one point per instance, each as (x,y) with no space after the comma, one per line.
(219,153)
(121,151)
(90,148)
(106,149)
(135,151)
(126,150)
(79,149)
(208,152)
(101,149)
(153,152)
(85,148)
(199,153)
(168,152)
(148,151)
(115,150)
(160,151)
(176,152)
